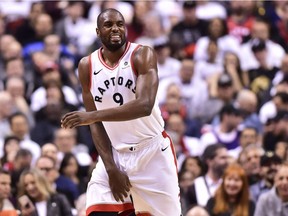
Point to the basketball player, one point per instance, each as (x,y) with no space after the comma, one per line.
(137,165)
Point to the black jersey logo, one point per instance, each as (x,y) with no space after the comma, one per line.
(95,73)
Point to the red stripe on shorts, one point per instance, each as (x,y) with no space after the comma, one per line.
(109,208)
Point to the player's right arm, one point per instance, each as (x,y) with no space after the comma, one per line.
(118,181)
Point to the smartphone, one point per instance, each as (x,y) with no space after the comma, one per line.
(25,201)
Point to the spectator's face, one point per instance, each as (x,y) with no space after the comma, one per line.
(186,180)
(52,45)
(260,30)
(5,186)
(50,150)
(216,28)
(65,140)
(16,87)
(19,126)
(233,184)
(15,68)
(268,171)
(187,71)
(226,93)
(72,167)
(248,136)
(281,150)
(193,167)
(281,182)
(220,162)
(253,161)
(31,186)
(43,25)
(46,166)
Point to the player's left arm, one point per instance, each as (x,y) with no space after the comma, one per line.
(145,65)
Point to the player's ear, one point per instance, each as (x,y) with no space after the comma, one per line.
(97,31)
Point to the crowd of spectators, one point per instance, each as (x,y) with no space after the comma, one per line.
(223,94)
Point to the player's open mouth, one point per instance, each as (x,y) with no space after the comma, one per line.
(115,37)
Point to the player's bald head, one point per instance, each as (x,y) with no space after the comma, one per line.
(105,12)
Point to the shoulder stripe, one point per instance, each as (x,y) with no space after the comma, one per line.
(131,60)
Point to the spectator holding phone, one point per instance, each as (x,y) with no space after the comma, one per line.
(41,199)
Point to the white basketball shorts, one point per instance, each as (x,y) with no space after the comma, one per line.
(151,168)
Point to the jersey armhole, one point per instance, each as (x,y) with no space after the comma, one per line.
(131,60)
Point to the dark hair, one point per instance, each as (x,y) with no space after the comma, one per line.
(65,162)
(249,128)
(196,158)
(224,25)
(283,96)
(210,152)
(6,141)
(228,109)
(23,153)
(11,117)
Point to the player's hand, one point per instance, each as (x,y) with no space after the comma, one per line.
(75,119)
(119,184)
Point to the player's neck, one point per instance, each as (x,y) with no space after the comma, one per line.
(111,58)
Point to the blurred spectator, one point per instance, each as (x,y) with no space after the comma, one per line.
(192,164)
(184,145)
(6,206)
(282,73)
(215,159)
(66,141)
(248,136)
(61,184)
(281,150)
(269,163)
(6,110)
(197,211)
(20,128)
(22,161)
(153,28)
(226,132)
(44,200)
(269,110)
(51,76)
(16,87)
(274,201)
(249,159)
(185,33)
(208,68)
(25,31)
(279,31)
(50,150)
(74,30)
(264,71)
(232,196)
(275,53)
(167,66)
(186,179)
(10,148)
(70,168)
(194,91)
(247,102)
(217,31)
(240,19)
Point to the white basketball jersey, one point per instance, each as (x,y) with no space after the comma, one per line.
(115,86)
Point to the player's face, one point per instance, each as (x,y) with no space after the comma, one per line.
(112,30)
